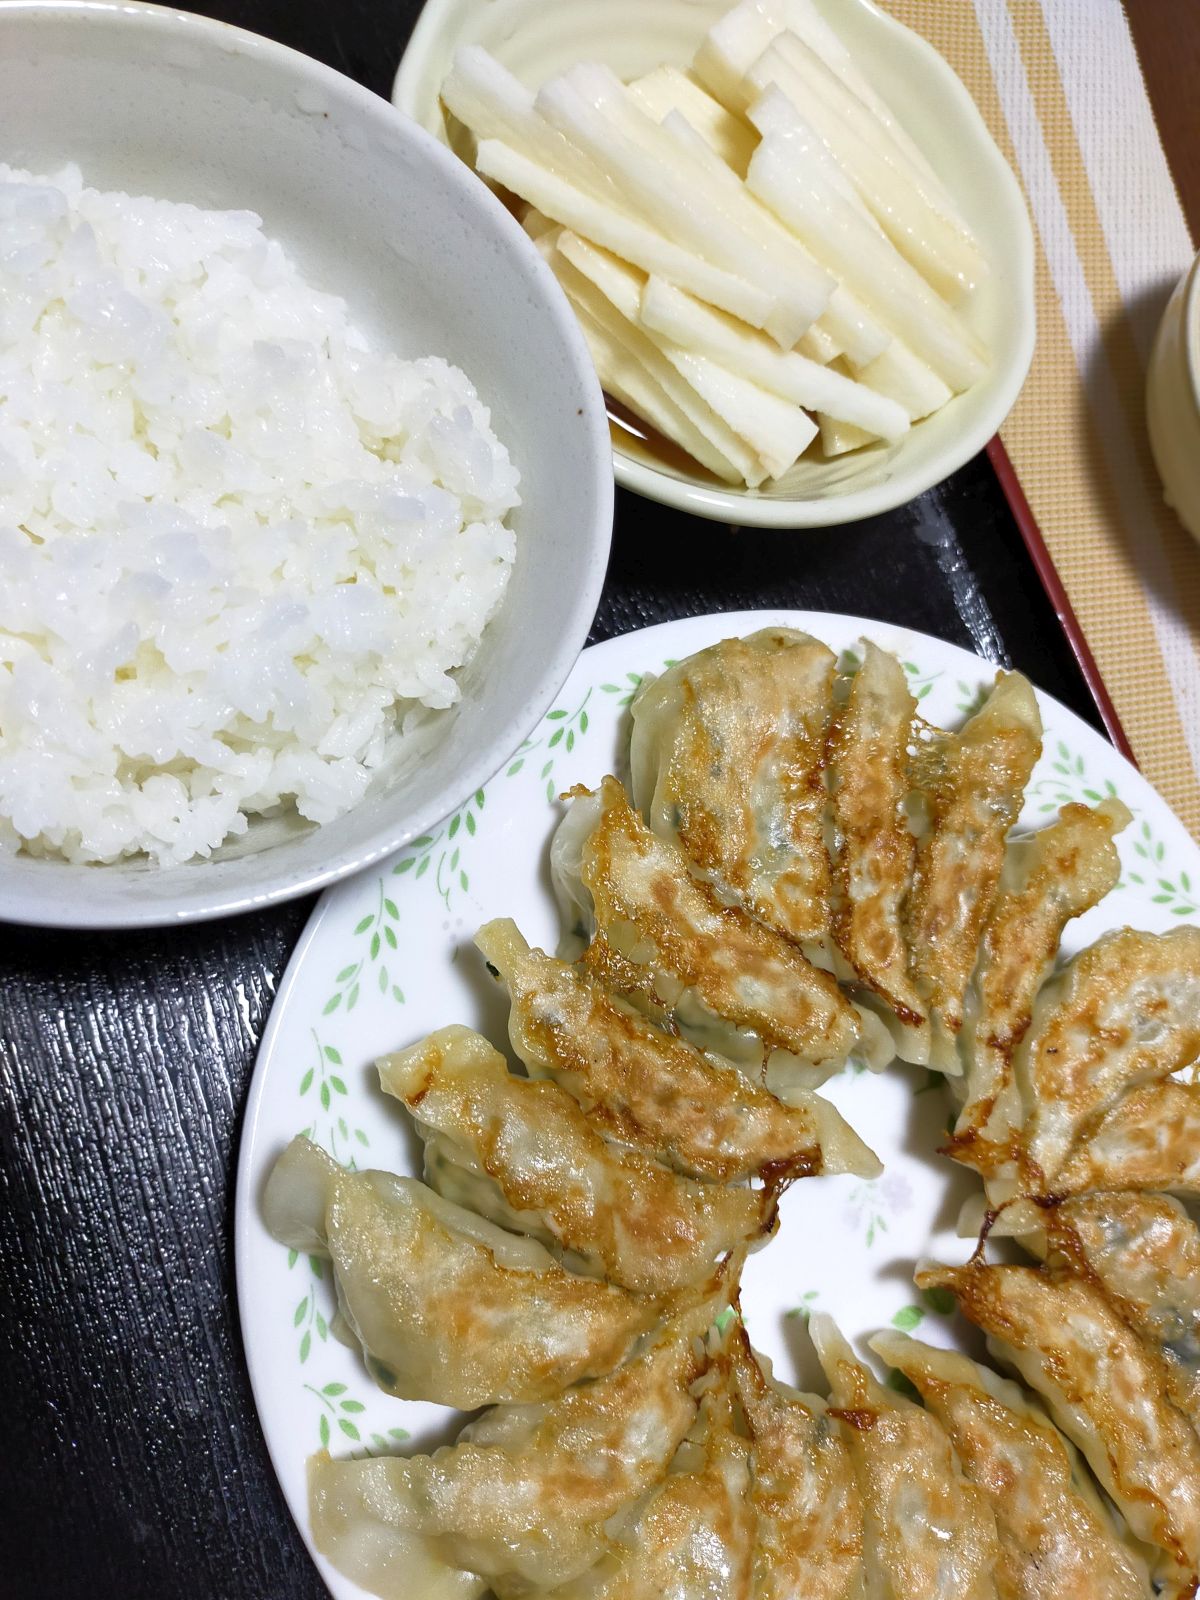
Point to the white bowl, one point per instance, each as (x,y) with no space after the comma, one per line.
(162,103)
(536,39)
(1173,400)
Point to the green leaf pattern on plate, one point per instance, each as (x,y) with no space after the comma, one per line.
(324,1079)
(374,941)
(1066,780)
(339,1409)
(307,1317)
(919,683)
(562,728)
(1150,871)
(869,1205)
(444,852)
(808,1304)
(969,700)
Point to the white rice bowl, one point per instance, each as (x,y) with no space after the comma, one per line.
(242,552)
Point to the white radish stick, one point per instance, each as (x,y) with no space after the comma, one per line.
(697,327)
(613,311)
(634,388)
(819,345)
(536,225)
(729,48)
(486,97)
(845,320)
(823,84)
(858,334)
(744,33)
(669,89)
(899,375)
(686,212)
(837,437)
(680,151)
(951,264)
(775,429)
(777,114)
(779,433)
(625,236)
(867,263)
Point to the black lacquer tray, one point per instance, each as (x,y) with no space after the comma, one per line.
(132,1461)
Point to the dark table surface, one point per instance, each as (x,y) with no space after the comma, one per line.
(132,1461)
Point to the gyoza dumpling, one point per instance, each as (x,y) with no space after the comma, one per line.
(1057,1542)
(1125,1013)
(654,1091)
(928,1531)
(1105,1387)
(728,761)
(523,1498)
(810,1524)
(694,1537)
(1149,1140)
(1049,877)
(869,784)
(971,785)
(447,1306)
(732,984)
(524,1153)
(1144,1251)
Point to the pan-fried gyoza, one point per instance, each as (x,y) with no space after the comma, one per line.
(1108,1390)
(446,1305)
(727,755)
(1057,1540)
(653,1090)
(929,1531)
(818,876)
(524,1154)
(731,983)
(1048,877)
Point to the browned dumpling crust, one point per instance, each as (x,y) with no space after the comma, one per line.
(928,1530)
(1144,1252)
(809,1538)
(694,1537)
(1108,1390)
(525,1154)
(1057,1542)
(1049,877)
(973,784)
(654,1091)
(728,760)
(1123,1016)
(447,1306)
(523,1498)
(869,782)
(742,971)
(1150,1139)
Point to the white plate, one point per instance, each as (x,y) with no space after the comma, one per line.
(537,38)
(387,958)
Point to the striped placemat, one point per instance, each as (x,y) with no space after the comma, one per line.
(1059,84)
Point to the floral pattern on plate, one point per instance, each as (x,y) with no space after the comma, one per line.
(388,957)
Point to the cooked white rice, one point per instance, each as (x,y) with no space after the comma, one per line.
(238,547)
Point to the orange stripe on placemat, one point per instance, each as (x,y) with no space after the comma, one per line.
(1059,456)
